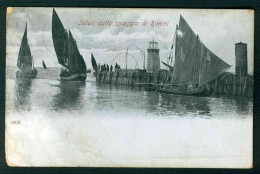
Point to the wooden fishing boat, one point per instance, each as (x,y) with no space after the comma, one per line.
(194,65)
(25,60)
(150,87)
(68,55)
(201,91)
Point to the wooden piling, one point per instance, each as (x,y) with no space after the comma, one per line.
(228,84)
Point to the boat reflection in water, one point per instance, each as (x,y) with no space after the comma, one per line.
(23,93)
(69,97)
(243,106)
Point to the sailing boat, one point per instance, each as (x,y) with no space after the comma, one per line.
(74,67)
(94,64)
(43,64)
(25,60)
(195,65)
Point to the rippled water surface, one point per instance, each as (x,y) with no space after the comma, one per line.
(48,93)
(94,124)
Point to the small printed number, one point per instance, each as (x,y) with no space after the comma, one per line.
(16,122)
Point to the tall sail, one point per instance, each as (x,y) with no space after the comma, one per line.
(208,66)
(93,62)
(76,61)
(59,37)
(194,63)
(24,61)
(185,53)
(66,47)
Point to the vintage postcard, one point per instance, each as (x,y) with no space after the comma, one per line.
(111,87)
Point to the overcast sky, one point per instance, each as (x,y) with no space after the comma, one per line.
(219,30)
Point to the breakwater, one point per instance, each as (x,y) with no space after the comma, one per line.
(225,84)
(231,84)
(133,77)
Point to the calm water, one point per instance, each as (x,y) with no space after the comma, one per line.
(92,124)
(48,93)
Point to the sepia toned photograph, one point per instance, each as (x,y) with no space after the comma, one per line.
(126,87)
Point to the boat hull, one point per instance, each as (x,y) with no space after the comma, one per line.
(26,74)
(204,91)
(74,77)
(150,88)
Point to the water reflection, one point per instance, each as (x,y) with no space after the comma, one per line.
(152,102)
(244,106)
(184,105)
(106,96)
(69,96)
(92,97)
(23,92)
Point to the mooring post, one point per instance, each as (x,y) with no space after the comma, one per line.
(234,85)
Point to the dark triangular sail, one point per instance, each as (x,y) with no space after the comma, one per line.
(24,61)
(185,53)
(66,48)
(194,63)
(59,37)
(93,62)
(76,62)
(44,66)
(208,66)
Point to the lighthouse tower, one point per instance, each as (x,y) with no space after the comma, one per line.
(241,59)
(153,58)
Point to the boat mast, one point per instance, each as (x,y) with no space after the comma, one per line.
(173,45)
(75,52)
(194,63)
(175,51)
(69,49)
(176,41)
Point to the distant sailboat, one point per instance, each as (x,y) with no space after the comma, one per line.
(195,65)
(25,60)
(93,62)
(67,52)
(43,64)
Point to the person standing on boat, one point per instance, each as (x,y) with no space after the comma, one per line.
(107,67)
(111,68)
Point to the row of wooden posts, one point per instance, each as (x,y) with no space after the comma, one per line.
(231,84)
(226,84)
